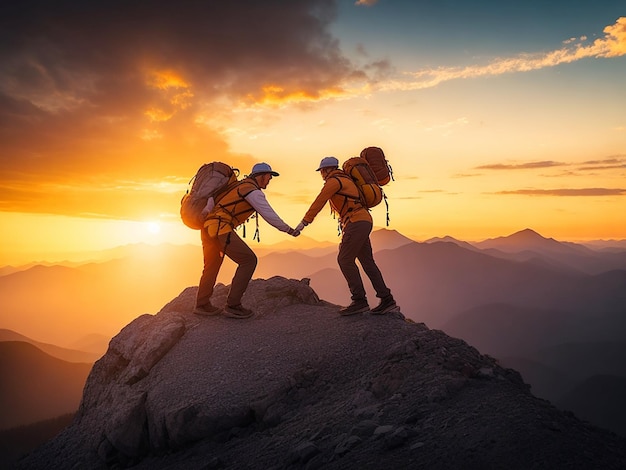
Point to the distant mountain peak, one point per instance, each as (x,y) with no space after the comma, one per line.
(446,238)
(527,234)
(449,239)
(526,239)
(386,239)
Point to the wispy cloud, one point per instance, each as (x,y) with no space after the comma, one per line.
(521,166)
(613,44)
(609,163)
(612,163)
(424,193)
(466,175)
(570,169)
(447,127)
(568,192)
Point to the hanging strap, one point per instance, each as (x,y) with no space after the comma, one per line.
(390,171)
(387,206)
(356,199)
(226,207)
(257,234)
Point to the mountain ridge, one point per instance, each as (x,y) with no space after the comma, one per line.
(65,354)
(433,282)
(142,284)
(122,251)
(27,375)
(300,386)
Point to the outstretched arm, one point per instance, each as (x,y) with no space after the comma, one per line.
(331,186)
(258,201)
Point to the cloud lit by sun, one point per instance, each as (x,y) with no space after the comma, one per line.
(104,122)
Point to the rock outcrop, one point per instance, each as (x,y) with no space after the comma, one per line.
(298,386)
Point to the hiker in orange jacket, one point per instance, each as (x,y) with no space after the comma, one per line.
(356,226)
(219,239)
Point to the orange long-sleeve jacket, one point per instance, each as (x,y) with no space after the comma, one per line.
(344,200)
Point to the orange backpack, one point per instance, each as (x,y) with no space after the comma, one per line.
(361,173)
(370,171)
(211,180)
(379,164)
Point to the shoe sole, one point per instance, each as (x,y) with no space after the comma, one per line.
(347,314)
(228,314)
(204,313)
(394,308)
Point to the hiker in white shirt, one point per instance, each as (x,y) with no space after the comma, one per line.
(219,239)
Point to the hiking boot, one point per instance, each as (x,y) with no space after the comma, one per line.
(237,311)
(386,304)
(207,310)
(357,306)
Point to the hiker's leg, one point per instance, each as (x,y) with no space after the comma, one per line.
(353,238)
(366,258)
(211,253)
(237,250)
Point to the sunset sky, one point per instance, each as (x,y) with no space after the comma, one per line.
(495,117)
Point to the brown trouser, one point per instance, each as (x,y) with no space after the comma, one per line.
(213,251)
(355,244)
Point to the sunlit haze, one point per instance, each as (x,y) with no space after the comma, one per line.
(494,116)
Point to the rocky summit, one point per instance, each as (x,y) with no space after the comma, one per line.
(299,386)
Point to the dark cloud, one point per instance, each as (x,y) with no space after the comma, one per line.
(568,192)
(112,88)
(521,166)
(97,49)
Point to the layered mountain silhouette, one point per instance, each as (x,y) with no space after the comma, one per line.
(528,245)
(599,399)
(89,349)
(35,386)
(17,442)
(299,386)
(554,311)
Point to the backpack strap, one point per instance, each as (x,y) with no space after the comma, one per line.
(359,200)
(221,193)
(230,207)
(355,199)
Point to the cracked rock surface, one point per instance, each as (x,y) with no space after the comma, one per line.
(298,386)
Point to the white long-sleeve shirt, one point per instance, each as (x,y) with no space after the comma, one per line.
(258,201)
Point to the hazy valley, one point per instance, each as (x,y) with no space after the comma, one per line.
(554,311)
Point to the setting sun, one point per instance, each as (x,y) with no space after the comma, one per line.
(153,227)
(507,132)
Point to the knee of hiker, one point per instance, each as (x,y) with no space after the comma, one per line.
(346,261)
(253,260)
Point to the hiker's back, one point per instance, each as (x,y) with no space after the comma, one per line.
(346,202)
(359,170)
(231,209)
(210,181)
(379,164)
(370,171)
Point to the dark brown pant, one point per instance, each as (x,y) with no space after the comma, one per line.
(213,251)
(355,244)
